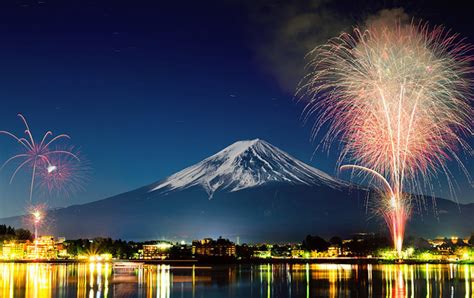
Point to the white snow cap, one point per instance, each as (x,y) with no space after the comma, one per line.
(242,165)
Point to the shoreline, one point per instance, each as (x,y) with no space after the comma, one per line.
(226,261)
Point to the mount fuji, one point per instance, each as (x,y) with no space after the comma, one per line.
(250,190)
(245,164)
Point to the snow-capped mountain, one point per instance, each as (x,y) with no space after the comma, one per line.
(245,164)
(260,193)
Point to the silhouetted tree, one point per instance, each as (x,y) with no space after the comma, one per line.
(409,241)
(118,248)
(315,243)
(335,240)
(10,233)
(422,244)
(368,245)
(244,251)
(23,234)
(177,252)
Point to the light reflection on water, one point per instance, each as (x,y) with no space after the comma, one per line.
(270,280)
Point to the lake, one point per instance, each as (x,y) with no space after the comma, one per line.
(271,280)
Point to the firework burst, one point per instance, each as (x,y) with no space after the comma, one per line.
(35,217)
(65,175)
(36,155)
(398,100)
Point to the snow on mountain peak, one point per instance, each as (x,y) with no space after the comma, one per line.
(242,165)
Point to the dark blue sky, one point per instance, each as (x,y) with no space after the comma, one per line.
(147,89)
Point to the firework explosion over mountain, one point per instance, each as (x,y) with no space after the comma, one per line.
(399,99)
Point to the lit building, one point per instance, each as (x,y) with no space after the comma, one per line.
(42,248)
(158,250)
(262,254)
(334,251)
(215,248)
(14,250)
(297,253)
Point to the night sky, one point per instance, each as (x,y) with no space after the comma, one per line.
(146,89)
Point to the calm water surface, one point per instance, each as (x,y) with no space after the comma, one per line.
(277,280)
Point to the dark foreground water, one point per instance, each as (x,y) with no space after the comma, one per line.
(277,280)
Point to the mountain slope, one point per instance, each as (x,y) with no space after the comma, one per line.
(242,165)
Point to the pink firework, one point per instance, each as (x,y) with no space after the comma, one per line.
(35,154)
(398,99)
(64,175)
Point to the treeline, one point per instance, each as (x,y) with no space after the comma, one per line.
(117,248)
(357,246)
(361,245)
(10,233)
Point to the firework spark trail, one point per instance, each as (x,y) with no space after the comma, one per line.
(398,100)
(35,216)
(35,154)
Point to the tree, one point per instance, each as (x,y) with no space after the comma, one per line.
(422,244)
(367,245)
(23,234)
(315,243)
(10,233)
(244,251)
(180,252)
(335,240)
